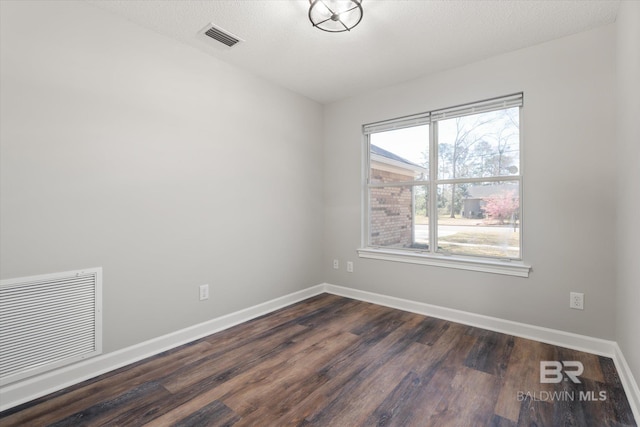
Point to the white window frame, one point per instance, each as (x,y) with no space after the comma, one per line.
(431,257)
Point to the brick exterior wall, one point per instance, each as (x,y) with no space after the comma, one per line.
(391,211)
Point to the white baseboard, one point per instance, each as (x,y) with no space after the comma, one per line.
(32,388)
(628,382)
(41,385)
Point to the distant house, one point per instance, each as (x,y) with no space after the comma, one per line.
(473,203)
(392,208)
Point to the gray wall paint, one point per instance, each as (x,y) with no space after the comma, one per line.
(628,70)
(569,185)
(127,150)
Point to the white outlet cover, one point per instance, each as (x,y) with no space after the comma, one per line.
(204,292)
(576,300)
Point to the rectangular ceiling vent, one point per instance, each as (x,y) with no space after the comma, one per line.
(220,35)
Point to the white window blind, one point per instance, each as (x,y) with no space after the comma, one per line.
(509,101)
(399,123)
(504,102)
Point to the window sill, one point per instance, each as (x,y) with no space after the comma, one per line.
(510,268)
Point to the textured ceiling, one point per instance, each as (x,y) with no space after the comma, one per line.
(397,40)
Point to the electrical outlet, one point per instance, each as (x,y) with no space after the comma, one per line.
(350,266)
(204,292)
(336,264)
(576,300)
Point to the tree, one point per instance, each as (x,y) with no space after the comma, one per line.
(502,206)
(469,131)
(421,197)
(507,135)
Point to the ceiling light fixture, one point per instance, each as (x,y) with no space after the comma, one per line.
(335,16)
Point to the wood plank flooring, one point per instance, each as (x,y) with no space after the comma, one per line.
(333,361)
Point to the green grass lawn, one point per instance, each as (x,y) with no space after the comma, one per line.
(498,238)
(447,220)
(491,239)
(499,243)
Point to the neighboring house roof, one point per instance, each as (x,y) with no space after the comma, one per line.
(384,156)
(487,191)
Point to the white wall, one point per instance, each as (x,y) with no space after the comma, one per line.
(628,72)
(127,150)
(569,185)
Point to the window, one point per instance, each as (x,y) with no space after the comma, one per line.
(446,185)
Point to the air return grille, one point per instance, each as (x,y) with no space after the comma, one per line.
(49,321)
(220,35)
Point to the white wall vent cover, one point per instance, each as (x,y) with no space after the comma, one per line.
(221,37)
(49,321)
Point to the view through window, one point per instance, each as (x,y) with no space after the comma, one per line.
(448,181)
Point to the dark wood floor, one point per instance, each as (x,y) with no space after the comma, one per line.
(333,361)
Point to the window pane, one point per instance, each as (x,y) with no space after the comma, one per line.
(479,145)
(400,155)
(398,217)
(421,217)
(479,219)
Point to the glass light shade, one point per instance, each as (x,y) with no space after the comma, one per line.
(335,16)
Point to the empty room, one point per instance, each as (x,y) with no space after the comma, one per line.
(319,212)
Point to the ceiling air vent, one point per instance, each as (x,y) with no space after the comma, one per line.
(220,35)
